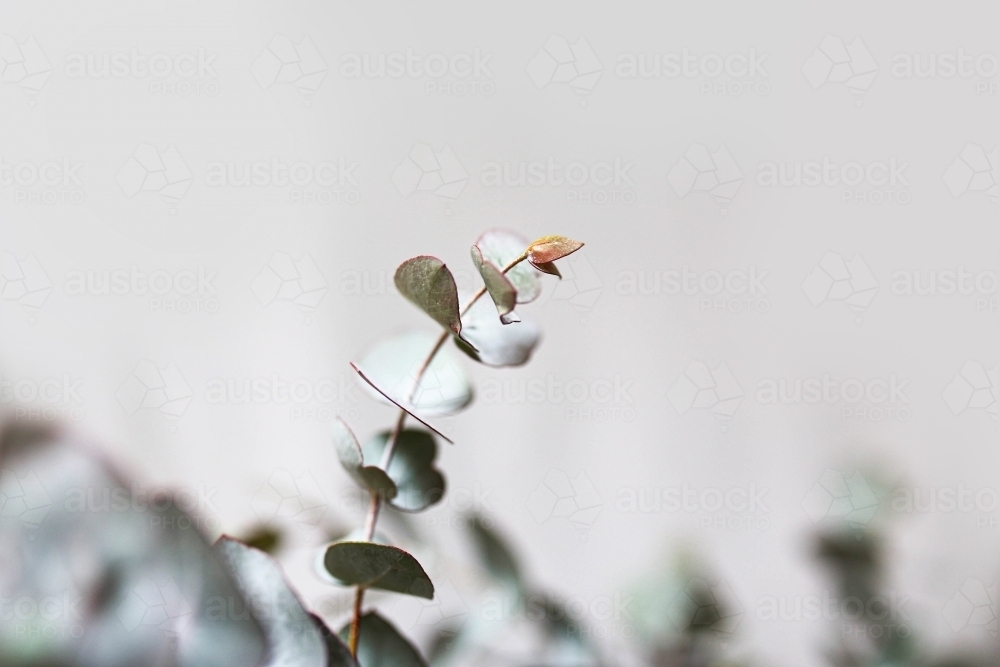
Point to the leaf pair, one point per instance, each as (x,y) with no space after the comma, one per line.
(411,484)
(543,252)
(498,248)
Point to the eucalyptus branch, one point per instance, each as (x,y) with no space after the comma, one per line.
(430,285)
(376,500)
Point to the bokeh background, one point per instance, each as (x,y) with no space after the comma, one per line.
(146,283)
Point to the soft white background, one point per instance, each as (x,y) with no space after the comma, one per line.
(645,342)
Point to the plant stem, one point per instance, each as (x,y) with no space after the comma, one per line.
(355,632)
(376,505)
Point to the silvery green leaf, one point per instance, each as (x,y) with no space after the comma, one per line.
(498,286)
(419,483)
(154,592)
(393,365)
(503,246)
(497,344)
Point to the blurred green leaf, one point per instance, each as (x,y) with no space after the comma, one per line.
(265,537)
(293,636)
(377,566)
(393,365)
(338,655)
(503,246)
(129,559)
(381,645)
(372,478)
(419,483)
(496,344)
(500,289)
(497,557)
(428,283)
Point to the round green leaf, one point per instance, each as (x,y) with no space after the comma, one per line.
(503,246)
(377,566)
(428,283)
(394,363)
(372,478)
(419,483)
(497,344)
(381,645)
